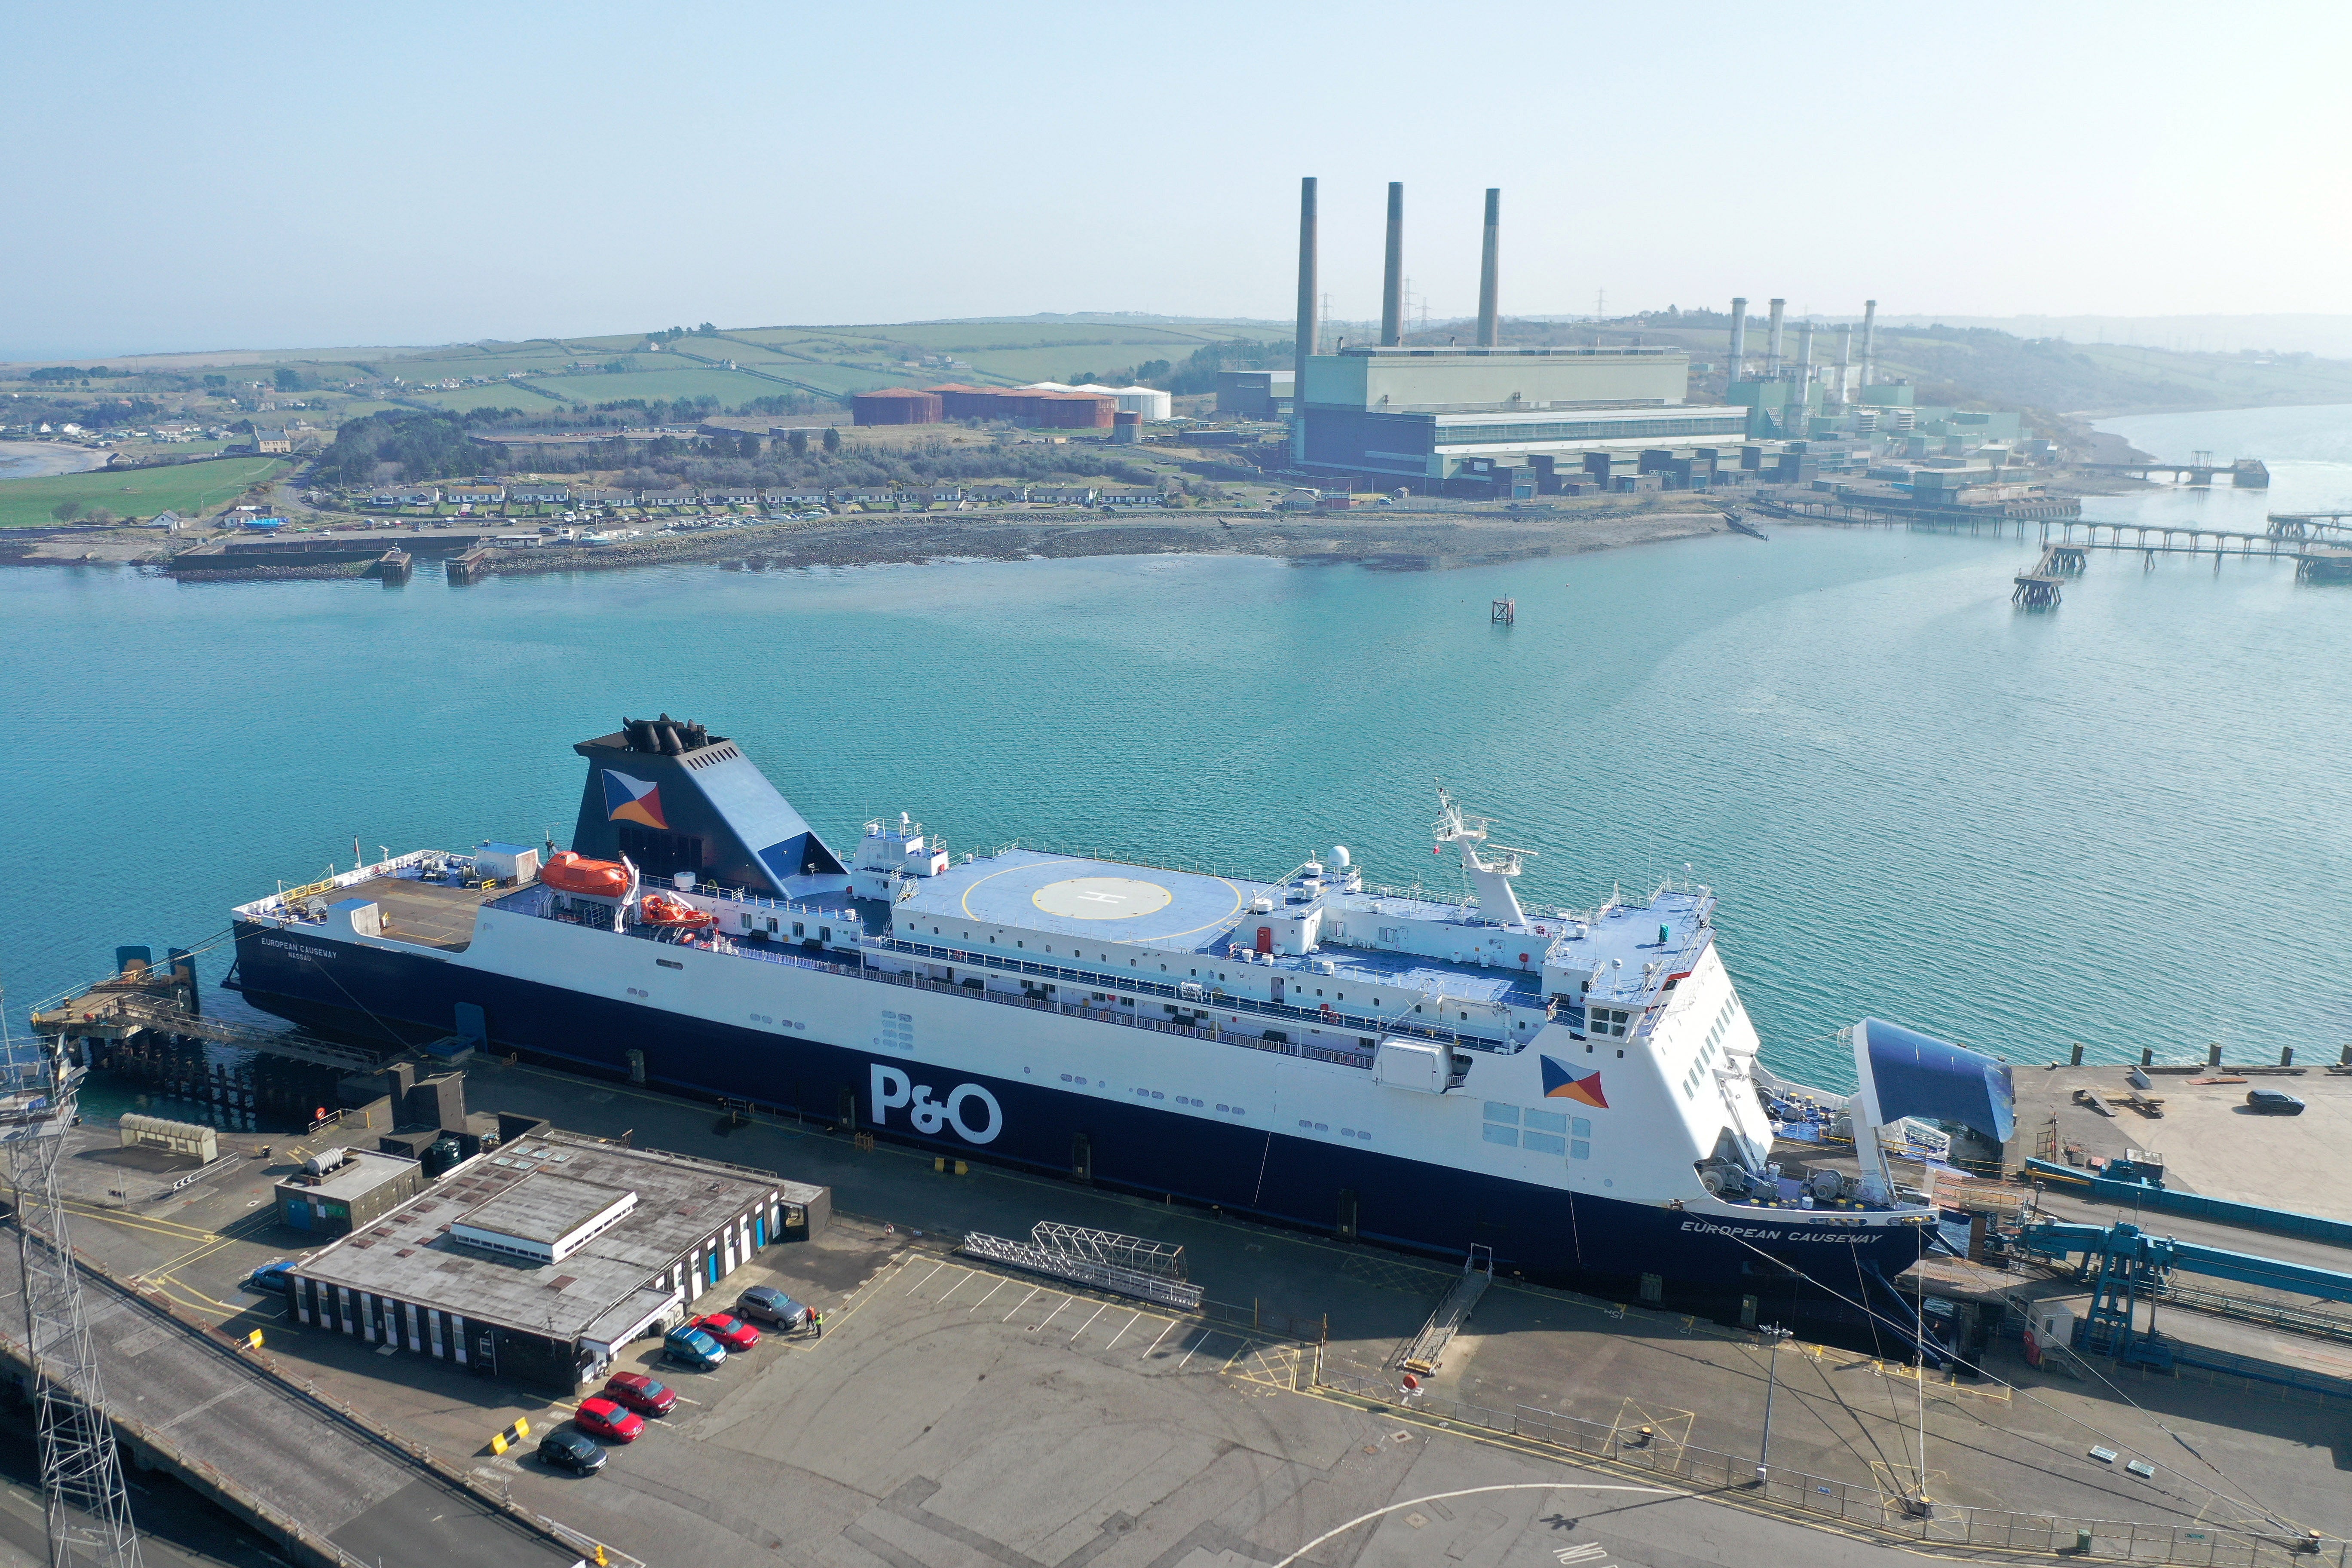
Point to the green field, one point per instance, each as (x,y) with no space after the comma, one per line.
(186,488)
(731,387)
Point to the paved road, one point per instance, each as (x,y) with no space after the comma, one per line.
(197,1399)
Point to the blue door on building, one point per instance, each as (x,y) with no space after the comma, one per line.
(714,1266)
(759,1231)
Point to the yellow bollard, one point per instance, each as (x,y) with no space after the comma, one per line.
(254,1339)
(498,1441)
(522,1427)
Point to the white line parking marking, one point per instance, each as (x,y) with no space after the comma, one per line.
(924,1280)
(1054,1314)
(959,1285)
(1188,1354)
(1021,1303)
(1090,1323)
(1122,1333)
(1155,1344)
(999,1285)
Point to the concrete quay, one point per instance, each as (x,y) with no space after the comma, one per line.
(940,1428)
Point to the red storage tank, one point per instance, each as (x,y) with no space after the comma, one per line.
(895,405)
(960,402)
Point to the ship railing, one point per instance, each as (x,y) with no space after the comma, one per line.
(1113,1014)
(279,905)
(1208,1001)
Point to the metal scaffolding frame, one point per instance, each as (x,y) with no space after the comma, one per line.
(88,1506)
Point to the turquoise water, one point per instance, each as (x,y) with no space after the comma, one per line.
(2120,823)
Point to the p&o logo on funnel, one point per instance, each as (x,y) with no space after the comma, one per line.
(1559,1083)
(633,800)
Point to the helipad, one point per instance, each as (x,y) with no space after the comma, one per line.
(1018,891)
(1102,898)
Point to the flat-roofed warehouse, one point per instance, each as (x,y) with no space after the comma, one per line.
(538,1260)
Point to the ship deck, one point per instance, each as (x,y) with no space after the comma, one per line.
(430,914)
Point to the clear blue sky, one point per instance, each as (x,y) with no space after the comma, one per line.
(233,175)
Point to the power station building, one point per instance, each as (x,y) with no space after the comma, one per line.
(1425,418)
(1483,420)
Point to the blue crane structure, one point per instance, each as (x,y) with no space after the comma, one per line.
(2127,1263)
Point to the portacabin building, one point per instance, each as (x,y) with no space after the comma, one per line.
(540,1260)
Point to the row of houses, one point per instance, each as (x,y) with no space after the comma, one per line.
(587,497)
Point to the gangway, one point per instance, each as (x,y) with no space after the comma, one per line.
(1123,1264)
(1422,1357)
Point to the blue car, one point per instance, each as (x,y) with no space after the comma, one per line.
(277,1278)
(692,1348)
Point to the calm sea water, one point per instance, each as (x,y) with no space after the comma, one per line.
(2120,823)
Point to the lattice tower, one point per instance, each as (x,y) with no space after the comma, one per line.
(81,1473)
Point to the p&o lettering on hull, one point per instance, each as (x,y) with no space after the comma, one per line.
(893,1089)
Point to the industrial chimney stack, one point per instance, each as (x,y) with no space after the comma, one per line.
(1393,281)
(1489,308)
(1739,335)
(1869,343)
(1845,360)
(1305,347)
(1772,342)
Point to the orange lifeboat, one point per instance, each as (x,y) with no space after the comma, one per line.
(677,915)
(571,873)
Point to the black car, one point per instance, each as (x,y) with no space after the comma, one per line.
(766,1304)
(573,1451)
(2273,1102)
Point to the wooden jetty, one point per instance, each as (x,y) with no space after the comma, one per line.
(2325,526)
(2246,473)
(1738,524)
(2167,539)
(396,566)
(1506,613)
(1867,510)
(2324,564)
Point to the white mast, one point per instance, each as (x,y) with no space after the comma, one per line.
(1491,879)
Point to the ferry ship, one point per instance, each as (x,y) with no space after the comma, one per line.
(1576,1091)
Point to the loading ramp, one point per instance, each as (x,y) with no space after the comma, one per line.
(1428,1348)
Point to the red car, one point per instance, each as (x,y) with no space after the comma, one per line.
(641,1393)
(603,1418)
(731,1332)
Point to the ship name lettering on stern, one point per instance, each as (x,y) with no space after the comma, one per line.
(893,1089)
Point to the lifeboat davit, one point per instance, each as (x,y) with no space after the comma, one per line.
(571,873)
(677,915)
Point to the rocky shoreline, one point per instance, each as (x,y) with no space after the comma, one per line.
(1377,539)
(1396,541)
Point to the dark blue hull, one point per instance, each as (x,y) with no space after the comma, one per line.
(1538,1231)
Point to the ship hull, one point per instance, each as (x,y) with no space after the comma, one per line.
(1542,1233)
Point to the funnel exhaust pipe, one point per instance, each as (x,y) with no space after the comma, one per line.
(1306,345)
(1739,335)
(1489,308)
(1392,280)
(1869,341)
(1773,342)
